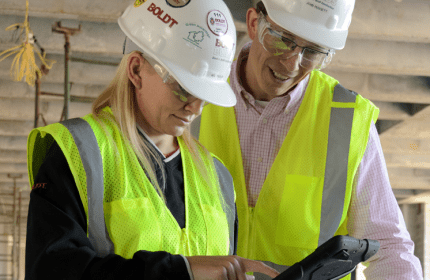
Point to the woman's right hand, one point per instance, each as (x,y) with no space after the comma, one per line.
(227,268)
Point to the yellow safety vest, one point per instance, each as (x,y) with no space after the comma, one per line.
(306,195)
(119,199)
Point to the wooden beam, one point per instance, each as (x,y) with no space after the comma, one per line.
(419,198)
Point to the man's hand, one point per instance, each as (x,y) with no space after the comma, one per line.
(227,268)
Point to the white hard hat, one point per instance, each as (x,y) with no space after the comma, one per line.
(194,40)
(323,22)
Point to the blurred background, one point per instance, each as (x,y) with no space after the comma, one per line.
(386,59)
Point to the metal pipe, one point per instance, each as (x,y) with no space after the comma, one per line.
(67,32)
(36,109)
(66,78)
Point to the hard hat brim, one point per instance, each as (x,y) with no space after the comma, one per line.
(305,29)
(215,92)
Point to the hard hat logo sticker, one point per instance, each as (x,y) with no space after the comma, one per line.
(196,37)
(223,50)
(157,11)
(137,3)
(177,3)
(217,23)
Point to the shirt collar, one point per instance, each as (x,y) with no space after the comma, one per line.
(149,140)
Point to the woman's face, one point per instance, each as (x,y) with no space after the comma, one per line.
(160,111)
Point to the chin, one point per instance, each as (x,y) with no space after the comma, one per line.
(178,131)
(280,90)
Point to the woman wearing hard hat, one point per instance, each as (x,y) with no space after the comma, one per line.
(126,192)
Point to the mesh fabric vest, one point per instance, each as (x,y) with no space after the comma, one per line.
(135,215)
(285,225)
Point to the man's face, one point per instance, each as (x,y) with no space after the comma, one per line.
(268,75)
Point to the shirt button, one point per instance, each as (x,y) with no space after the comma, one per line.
(264,120)
(260,159)
(246,96)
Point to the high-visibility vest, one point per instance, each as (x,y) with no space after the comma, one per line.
(306,195)
(124,211)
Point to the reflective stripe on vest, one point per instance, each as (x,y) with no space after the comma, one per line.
(89,151)
(336,164)
(226,183)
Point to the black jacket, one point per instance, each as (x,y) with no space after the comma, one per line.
(57,246)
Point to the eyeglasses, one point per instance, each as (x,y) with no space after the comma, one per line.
(282,45)
(181,93)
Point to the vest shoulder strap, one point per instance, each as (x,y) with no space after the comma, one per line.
(228,204)
(89,151)
(341,94)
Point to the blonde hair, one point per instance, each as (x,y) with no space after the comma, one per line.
(121,98)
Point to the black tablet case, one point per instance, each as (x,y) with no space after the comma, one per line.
(333,260)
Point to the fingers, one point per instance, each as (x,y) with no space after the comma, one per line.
(227,268)
(239,267)
(232,273)
(257,266)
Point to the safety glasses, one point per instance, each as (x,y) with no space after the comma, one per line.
(180,92)
(283,45)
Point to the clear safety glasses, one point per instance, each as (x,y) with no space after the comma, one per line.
(281,44)
(181,93)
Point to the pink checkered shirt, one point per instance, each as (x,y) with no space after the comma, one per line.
(374,212)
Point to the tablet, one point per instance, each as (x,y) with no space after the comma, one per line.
(333,260)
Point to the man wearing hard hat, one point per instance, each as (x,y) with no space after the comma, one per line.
(303,150)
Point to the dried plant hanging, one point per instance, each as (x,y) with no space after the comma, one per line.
(24,63)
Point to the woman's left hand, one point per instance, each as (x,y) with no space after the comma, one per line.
(227,268)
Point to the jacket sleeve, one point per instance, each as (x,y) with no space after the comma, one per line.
(57,246)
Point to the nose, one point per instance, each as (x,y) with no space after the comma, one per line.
(195,106)
(292,59)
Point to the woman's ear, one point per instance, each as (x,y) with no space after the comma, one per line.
(135,64)
(252,22)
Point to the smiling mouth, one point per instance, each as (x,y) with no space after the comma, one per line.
(279,76)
